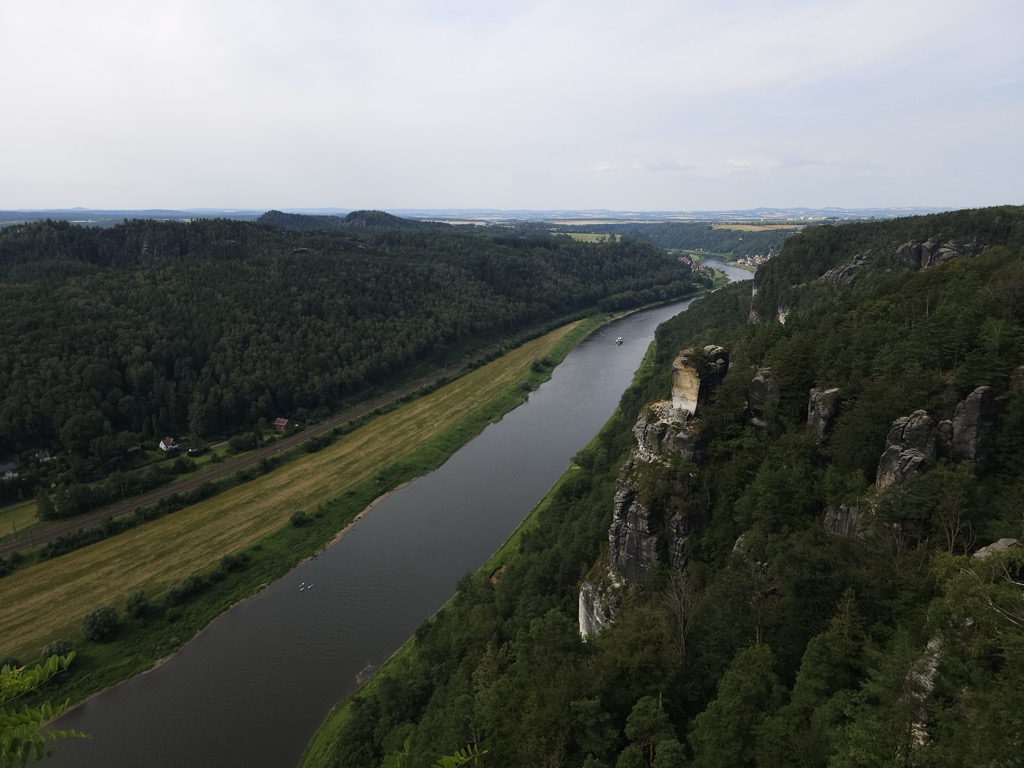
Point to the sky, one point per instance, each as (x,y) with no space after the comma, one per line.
(646,105)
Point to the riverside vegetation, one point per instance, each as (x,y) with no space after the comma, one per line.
(134,597)
(757,629)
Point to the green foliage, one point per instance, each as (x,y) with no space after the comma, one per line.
(138,605)
(58,648)
(208,327)
(22,738)
(725,734)
(648,725)
(101,624)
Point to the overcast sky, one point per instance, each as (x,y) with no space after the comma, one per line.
(638,105)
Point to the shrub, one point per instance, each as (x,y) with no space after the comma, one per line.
(191,586)
(57,648)
(299,519)
(138,605)
(233,562)
(101,624)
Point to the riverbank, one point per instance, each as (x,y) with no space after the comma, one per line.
(332,488)
(321,751)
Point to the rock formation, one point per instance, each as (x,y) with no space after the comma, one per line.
(973,428)
(996,546)
(643,534)
(822,408)
(847,274)
(695,375)
(911,442)
(762,393)
(597,604)
(841,520)
(660,430)
(916,440)
(937,250)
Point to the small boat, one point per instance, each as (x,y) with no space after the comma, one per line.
(618,340)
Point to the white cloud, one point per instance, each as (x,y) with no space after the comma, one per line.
(522,104)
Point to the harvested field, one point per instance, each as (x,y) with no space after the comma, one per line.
(49,599)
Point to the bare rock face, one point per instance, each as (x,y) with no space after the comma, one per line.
(695,376)
(641,536)
(822,408)
(752,317)
(644,534)
(662,429)
(911,442)
(633,538)
(973,428)
(598,604)
(763,392)
(841,520)
(937,250)
(915,441)
(997,546)
(847,274)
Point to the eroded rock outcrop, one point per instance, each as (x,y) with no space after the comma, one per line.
(973,428)
(848,273)
(841,520)
(938,250)
(695,375)
(996,546)
(910,443)
(661,430)
(761,395)
(646,529)
(822,409)
(598,603)
(917,440)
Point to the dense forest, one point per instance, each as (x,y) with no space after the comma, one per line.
(802,590)
(148,329)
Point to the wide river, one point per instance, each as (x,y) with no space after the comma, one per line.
(251,688)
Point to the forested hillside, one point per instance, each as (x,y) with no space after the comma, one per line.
(151,329)
(799,587)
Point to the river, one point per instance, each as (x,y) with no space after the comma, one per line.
(252,687)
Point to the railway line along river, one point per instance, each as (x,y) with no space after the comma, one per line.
(255,684)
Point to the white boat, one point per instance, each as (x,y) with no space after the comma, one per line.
(618,340)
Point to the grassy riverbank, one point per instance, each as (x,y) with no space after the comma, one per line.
(192,565)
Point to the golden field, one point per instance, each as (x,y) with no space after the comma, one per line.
(48,600)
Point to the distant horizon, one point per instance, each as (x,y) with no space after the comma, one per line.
(560,212)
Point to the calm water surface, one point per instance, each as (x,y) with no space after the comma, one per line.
(251,689)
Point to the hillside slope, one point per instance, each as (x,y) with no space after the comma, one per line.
(774,537)
(109,337)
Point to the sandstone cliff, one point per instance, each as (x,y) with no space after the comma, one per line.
(645,528)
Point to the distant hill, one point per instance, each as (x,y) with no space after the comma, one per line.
(373,221)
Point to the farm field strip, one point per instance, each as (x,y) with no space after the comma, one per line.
(49,599)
